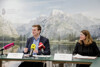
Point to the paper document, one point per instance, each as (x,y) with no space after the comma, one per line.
(63,57)
(15,55)
(27,55)
(83,57)
(41,55)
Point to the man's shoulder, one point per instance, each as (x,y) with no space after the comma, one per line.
(30,38)
(44,38)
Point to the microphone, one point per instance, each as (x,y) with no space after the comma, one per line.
(33,46)
(7,46)
(41,46)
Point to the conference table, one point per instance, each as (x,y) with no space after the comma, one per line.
(93,62)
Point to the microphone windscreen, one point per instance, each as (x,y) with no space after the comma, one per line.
(41,45)
(8,46)
(33,46)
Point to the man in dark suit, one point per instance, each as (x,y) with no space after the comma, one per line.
(36,39)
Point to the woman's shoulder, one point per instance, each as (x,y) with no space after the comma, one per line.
(77,43)
(93,43)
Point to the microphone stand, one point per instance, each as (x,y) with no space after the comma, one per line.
(42,50)
(31,53)
(1,52)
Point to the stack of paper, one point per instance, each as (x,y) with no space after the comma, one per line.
(41,55)
(15,55)
(63,57)
(83,57)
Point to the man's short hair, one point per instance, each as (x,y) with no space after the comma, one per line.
(38,26)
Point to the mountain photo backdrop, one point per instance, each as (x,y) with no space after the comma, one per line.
(60,19)
(61,22)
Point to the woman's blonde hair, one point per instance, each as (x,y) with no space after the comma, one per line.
(88,40)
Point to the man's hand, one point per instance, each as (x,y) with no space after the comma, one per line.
(25,50)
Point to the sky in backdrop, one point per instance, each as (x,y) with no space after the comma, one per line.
(22,11)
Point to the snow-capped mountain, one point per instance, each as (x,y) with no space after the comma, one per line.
(61,25)
(6,28)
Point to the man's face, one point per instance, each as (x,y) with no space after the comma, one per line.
(35,31)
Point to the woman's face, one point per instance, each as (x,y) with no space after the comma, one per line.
(82,36)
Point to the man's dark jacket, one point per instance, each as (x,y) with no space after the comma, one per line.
(45,42)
